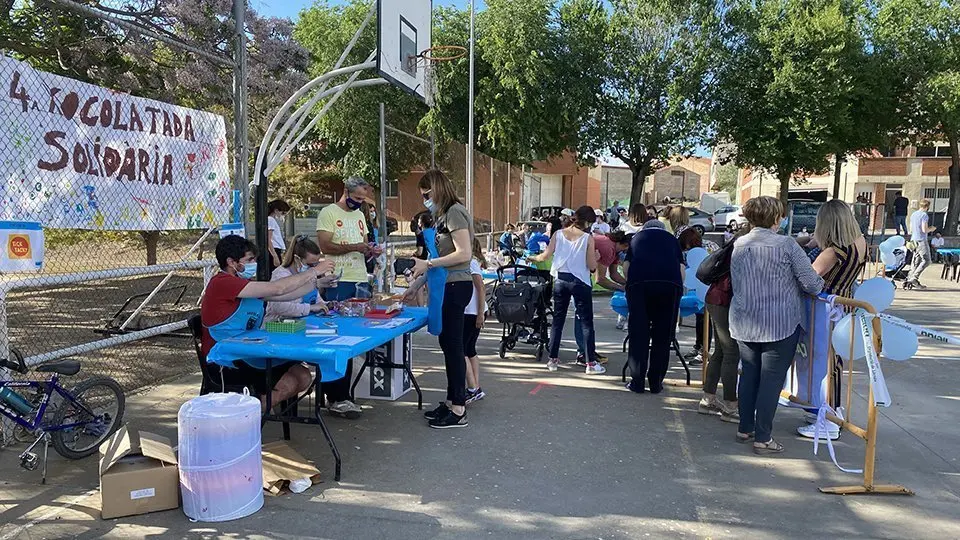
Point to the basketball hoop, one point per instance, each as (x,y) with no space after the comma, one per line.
(429,58)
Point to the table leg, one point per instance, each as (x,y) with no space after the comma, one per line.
(363,367)
(407,361)
(676,349)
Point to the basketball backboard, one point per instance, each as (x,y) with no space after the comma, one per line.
(403,32)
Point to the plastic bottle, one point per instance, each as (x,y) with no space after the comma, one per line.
(15,401)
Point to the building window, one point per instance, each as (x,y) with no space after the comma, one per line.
(943,193)
(926,151)
(943,151)
(393,188)
(928,193)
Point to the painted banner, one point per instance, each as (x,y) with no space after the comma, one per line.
(78,156)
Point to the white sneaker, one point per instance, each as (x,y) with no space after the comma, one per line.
(831,430)
(595,368)
(553,364)
(346,409)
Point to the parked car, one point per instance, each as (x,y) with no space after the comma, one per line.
(802,213)
(729,215)
(543,212)
(699,220)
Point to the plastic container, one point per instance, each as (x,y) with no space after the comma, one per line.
(221,467)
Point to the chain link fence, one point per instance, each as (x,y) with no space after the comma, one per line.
(108,204)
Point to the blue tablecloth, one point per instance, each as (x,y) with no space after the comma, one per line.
(689,304)
(256,346)
(949,251)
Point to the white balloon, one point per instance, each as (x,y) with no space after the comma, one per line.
(878,292)
(841,340)
(899,344)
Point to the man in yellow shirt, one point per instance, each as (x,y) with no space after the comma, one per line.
(342,236)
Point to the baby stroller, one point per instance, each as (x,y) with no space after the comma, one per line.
(900,269)
(521,302)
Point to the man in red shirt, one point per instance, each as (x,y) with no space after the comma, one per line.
(232,303)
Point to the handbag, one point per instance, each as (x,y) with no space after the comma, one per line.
(716,265)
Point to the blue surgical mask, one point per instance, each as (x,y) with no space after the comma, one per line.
(429,204)
(249,271)
(622,256)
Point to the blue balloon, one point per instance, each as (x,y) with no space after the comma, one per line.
(694,257)
(878,292)
(841,340)
(899,344)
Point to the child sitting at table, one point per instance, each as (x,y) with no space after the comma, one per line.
(233,304)
(304,254)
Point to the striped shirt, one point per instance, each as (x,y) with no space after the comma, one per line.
(839,279)
(770,274)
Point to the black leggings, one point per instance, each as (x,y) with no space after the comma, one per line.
(470,335)
(456,296)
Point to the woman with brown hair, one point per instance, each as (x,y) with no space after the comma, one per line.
(638,216)
(455,248)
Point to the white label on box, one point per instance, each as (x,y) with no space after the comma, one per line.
(142,493)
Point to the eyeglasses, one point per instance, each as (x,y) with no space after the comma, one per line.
(426,194)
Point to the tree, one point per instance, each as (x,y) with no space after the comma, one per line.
(727,179)
(919,40)
(649,63)
(781,79)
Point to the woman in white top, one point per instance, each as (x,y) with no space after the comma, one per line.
(574,258)
(638,216)
(276,210)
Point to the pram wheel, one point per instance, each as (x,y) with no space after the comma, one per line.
(503,349)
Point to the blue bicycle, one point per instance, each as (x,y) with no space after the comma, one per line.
(79,418)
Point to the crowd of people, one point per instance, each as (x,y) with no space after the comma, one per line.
(758,283)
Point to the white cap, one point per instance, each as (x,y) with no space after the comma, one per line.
(598,211)
(566,212)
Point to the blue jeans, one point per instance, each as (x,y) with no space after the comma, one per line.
(765,367)
(900,222)
(565,287)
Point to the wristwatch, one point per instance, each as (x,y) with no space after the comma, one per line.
(429,263)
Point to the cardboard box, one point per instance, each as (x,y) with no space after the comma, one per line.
(138,474)
(281,464)
(384,383)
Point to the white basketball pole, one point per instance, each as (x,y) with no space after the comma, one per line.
(469,192)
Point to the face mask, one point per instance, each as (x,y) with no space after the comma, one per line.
(353,204)
(622,255)
(249,271)
(429,204)
(373,216)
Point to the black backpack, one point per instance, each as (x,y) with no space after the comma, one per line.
(515,303)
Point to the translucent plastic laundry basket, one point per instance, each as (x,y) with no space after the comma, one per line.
(221,468)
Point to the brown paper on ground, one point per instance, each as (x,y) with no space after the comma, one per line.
(281,464)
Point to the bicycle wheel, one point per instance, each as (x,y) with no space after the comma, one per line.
(98,409)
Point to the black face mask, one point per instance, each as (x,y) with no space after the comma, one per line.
(353,204)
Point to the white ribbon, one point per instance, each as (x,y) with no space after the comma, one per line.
(881,396)
(821,427)
(920,330)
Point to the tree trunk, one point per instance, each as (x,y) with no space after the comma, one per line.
(639,172)
(784,177)
(837,167)
(151,238)
(953,207)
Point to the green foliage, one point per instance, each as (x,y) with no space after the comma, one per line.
(727,179)
(783,83)
(647,68)
(919,42)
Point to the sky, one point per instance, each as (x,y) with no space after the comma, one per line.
(291,8)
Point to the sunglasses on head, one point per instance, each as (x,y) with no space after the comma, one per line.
(426,195)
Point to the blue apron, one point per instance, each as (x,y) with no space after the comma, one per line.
(248,316)
(436,282)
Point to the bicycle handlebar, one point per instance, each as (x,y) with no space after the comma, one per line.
(20,366)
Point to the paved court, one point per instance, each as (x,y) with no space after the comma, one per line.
(561,455)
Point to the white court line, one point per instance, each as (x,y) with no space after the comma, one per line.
(49,515)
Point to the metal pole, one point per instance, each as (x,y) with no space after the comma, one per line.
(383,188)
(936,183)
(492,213)
(508,219)
(469,190)
(241,144)
(262,234)
(433,151)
